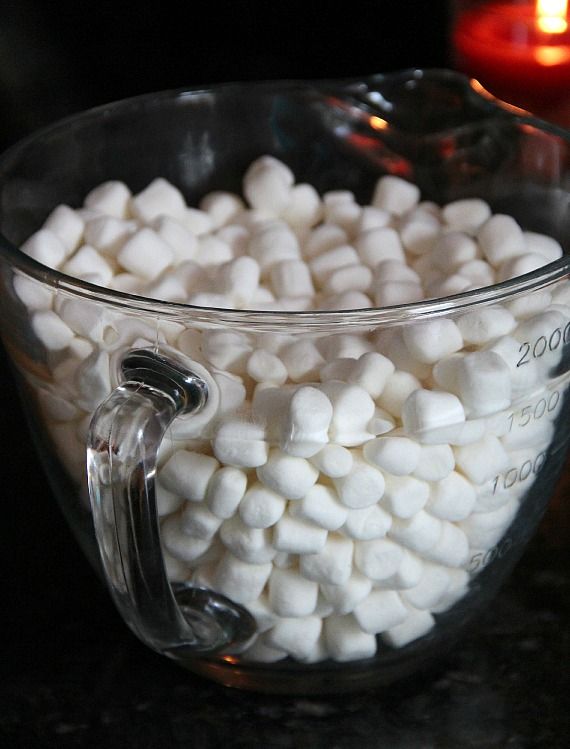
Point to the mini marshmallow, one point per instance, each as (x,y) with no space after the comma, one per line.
(344,346)
(371,372)
(323,265)
(352,410)
(264,616)
(273,242)
(198,522)
(405,495)
(378,245)
(291,278)
(304,208)
(367,523)
(263,366)
(482,460)
(346,641)
(297,636)
(393,345)
(362,487)
(261,507)
(93,380)
(89,265)
(333,461)
(519,265)
(239,580)
(408,574)
(222,207)
(433,585)
(51,330)
(323,238)
(348,278)
(213,251)
(344,213)
(145,254)
(45,247)
(432,416)
(485,529)
(501,238)
(395,270)
(420,533)
(32,294)
(305,430)
(379,611)
(458,587)
(483,383)
(187,474)
(478,272)
(287,475)
(392,293)
(395,195)
(267,185)
(166,502)
(239,279)
(111,198)
(453,250)
(296,536)
(169,288)
(380,423)
(66,224)
(396,391)
(320,506)
(396,455)
(430,341)
(181,546)
(292,595)
(108,233)
(198,222)
(483,325)
(524,377)
(418,232)
(543,245)
(416,625)
(226,350)
(225,491)
(371,218)
(330,566)
(236,237)
(159,198)
(349,300)
(378,559)
(252,545)
(303,361)
(452,498)
(451,549)
(344,598)
(467,214)
(240,443)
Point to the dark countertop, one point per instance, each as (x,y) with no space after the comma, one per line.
(74,676)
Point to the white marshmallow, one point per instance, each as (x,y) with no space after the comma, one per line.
(32,293)
(267,184)
(50,329)
(517,266)
(478,272)
(453,250)
(212,251)
(187,474)
(346,641)
(405,495)
(524,377)
(291,595)
(371,372)
(482,461)
(367,523)
(303,361)
(380,423)
(362,487)
(108,233)
(241,444)
(196,221)
(430,341)
(352,410)
(371,218)
(263,366)
(395,195)
(225,491)
(392,293)
(501,238)
(166,502)
(236,237)
(485,529)
(344,213)
(111,198)
(418,231)
(261,507)
(66,224)
(345,597)
(145,254)
(458,587)
(320,506)
(483,325)
(451,549)
(238,279)
(483,383)
(273,242)
(466,214)
(93,380)
(259,652)
(378,559)
(304,208)
(305,429)
(198,522)
(379,611)
(287,475)
(344,346)
(159,198)
(88,265)
(433,585)
(252,545)
(264,616)
(408,574)
(395,270)
(297,636)
(323,238)
(322,266)
(240,581)
(396,391)
(45,247)
(169,288)
(432,416)
(416,625)
(330,566)
(291,278)
(348,278)
(543,245)
(420,533)
(333,461)
(182,547)
(222,206)
(396,455)
(378,245)
(296,536)
(452,498)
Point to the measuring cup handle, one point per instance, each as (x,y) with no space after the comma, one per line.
(124,438)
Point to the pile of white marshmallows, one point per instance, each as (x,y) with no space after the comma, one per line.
(344,487)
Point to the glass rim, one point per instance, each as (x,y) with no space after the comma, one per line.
(394,314)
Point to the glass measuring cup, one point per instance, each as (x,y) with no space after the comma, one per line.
(141,381)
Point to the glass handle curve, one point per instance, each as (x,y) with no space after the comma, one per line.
(124,438)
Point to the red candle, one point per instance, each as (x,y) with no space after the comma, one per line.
(520,51)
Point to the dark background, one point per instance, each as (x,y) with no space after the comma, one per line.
(71,674)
